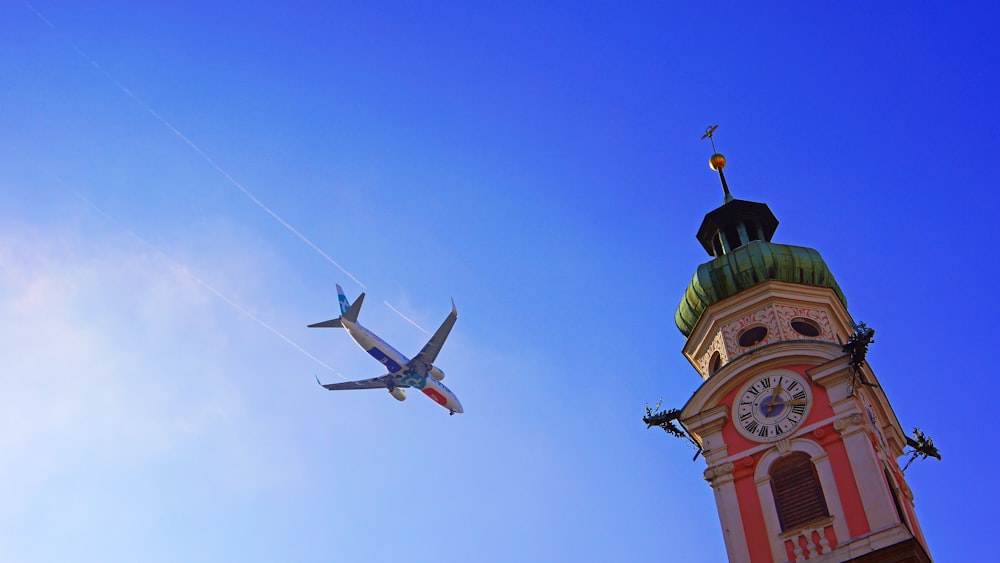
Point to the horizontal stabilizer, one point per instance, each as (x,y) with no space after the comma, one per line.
(350,312)
(332,323)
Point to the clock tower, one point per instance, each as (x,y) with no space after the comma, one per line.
(799,438)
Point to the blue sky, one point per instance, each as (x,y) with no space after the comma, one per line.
(541,165)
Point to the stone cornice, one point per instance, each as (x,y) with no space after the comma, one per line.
(836,377)
(706,422)
(833,371)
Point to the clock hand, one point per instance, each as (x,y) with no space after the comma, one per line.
(774,396)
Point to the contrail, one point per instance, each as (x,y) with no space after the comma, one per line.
(250,315)
(407,319)
(184,138)
(193,146)
(202,282)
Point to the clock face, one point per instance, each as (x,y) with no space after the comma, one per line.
(771,406)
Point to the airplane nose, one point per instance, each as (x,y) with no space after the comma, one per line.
(458,408)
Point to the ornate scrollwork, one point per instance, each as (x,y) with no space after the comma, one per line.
(784,446)
(665,419)
(923,447)
(857,349)
(843,424)
(716,471)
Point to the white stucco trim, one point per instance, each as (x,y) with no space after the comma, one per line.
(730,515)
(828,482)
(875,495)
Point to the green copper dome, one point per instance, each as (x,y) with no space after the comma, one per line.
(746,266)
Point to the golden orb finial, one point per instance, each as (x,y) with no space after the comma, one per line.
(717,162)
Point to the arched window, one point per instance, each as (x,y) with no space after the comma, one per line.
(715,363)
(798,495)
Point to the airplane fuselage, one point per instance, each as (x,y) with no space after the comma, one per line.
(395,363)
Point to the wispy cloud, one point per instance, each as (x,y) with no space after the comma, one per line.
(115,361)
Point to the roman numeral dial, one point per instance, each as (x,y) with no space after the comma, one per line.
(772,406)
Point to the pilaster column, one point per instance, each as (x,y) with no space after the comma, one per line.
(875,496)
(720,477)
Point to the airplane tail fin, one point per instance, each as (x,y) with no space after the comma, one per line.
(344,303)
(348,311)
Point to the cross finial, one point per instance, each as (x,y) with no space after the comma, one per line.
(708,135)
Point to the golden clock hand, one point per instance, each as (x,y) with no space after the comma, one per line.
(774,396)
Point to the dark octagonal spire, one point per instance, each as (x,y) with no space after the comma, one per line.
(736,223)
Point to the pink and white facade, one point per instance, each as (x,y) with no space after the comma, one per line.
(801,455)
(850,434)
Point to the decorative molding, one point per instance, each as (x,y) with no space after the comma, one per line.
(717,345)
(745,467)
(765,316)
(706,429)
(778,355)
(706,424)
(815,451)
(787,312)
(846,424)
(777,318)
(717,471)
(826,434)
(834,376)
(814,538)
(784,446)
(816,299)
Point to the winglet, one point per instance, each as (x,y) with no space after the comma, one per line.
(324,385)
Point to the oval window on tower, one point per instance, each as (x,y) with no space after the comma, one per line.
(806,327)
(752,336)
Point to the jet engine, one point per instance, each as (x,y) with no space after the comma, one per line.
(398,394)
(436,373)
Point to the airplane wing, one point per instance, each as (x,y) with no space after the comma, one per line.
(373,383)
(422,362)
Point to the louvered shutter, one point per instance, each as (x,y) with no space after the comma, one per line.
(798,494)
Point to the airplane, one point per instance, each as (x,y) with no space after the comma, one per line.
(419,373)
